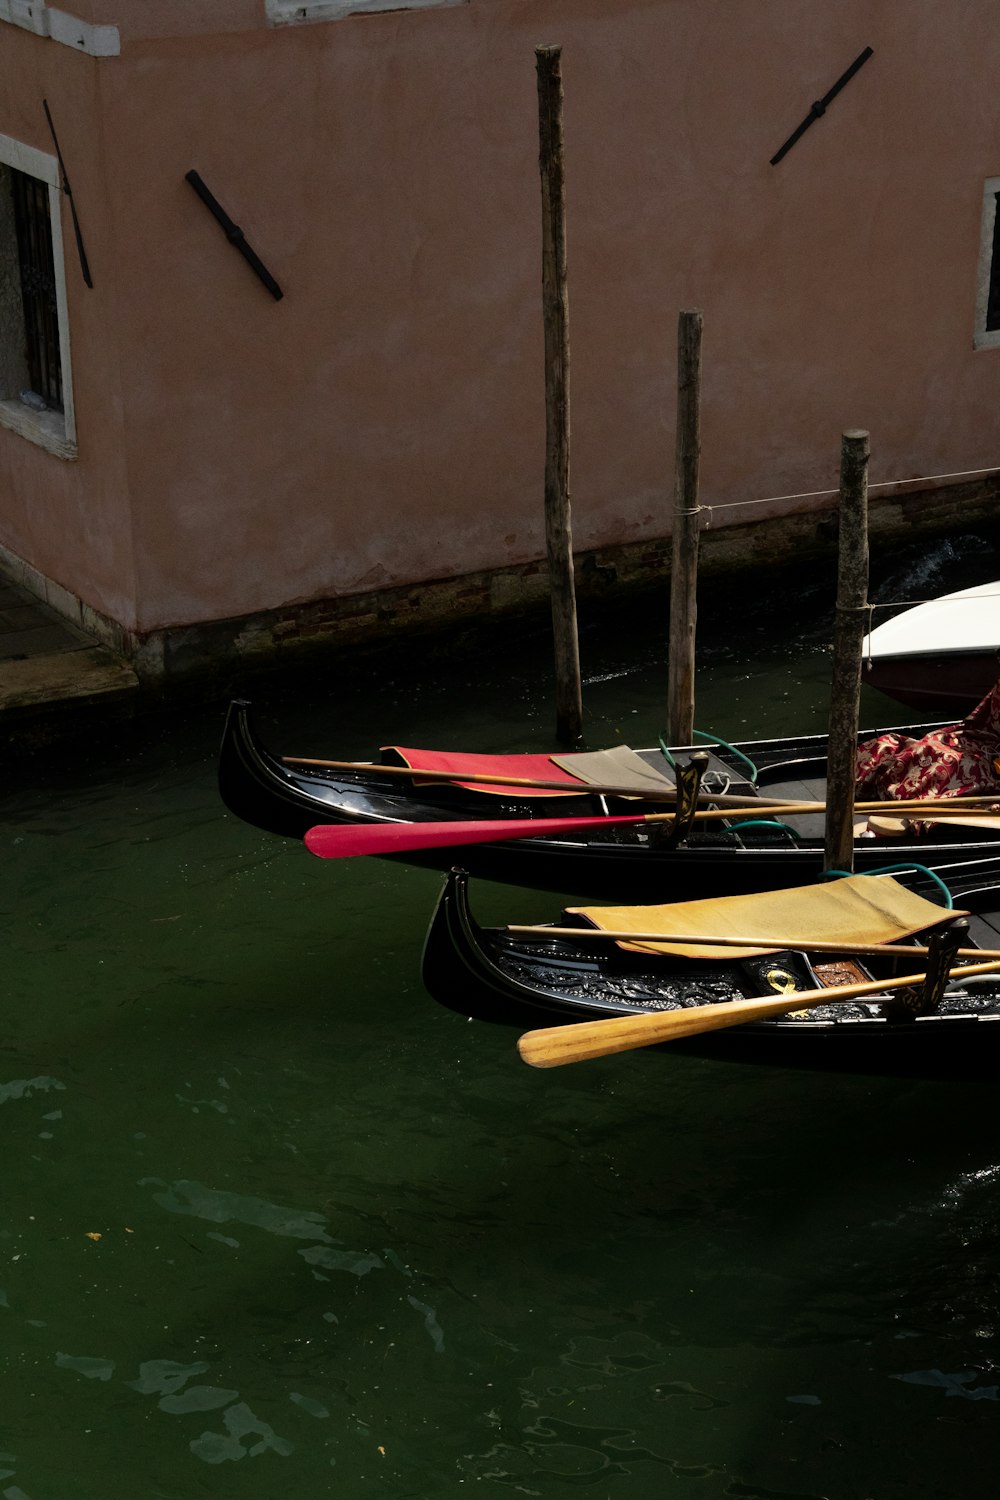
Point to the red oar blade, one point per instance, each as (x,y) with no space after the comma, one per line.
(341,840)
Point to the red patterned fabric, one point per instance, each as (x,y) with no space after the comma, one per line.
(957,760)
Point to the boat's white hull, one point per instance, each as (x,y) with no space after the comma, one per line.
(942,656)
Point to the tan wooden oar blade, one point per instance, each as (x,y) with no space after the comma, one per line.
(555,1045)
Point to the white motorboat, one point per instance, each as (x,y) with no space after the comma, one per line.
(942,656)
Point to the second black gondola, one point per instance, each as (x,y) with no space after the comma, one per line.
(536,980)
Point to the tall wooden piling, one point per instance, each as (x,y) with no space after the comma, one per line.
(555,302)
(848,640)
(684,564)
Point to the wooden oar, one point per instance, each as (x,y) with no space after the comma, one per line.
(667,793)
(342,840)
(779,945)
(582,788)
(646,792)
(555,1045)
(897,827)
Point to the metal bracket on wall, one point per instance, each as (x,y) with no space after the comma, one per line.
(819,108)
(234,234)
(64,180)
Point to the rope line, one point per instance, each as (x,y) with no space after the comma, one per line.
(884,484)
(941,599)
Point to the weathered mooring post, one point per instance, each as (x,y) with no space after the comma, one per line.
(684,563)
(848,641)
(555,302)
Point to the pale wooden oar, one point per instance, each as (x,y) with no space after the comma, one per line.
(896,827)
(795,945)
(555,1045)
(937,812)
(944,811)
(668,794)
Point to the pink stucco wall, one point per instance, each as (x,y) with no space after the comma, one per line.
(384,422)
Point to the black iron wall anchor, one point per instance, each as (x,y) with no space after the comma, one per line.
(234,234)
(68,191)
(819,108)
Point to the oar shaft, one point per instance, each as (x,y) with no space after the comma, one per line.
(759,810)
(928,811)
(555,1045)
(481,778)
(764,945)
(649,793)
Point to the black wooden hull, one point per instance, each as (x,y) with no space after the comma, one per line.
(491,975)
(622,864)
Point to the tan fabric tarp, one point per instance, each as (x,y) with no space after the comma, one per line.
(855,909)
(619,766)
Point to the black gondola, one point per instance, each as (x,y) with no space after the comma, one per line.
(536,980)
(621,863)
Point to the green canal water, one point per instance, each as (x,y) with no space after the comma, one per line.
(275,1225)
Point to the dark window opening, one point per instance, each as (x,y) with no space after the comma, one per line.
(993,302)
(38,286)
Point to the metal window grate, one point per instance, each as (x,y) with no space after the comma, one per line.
(38,286)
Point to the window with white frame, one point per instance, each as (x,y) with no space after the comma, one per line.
(36,398)
(288,12)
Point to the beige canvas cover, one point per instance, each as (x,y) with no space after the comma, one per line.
(618,766)
(856,909)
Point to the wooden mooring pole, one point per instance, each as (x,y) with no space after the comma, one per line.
(555,302)
(848,640)
(684,563)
